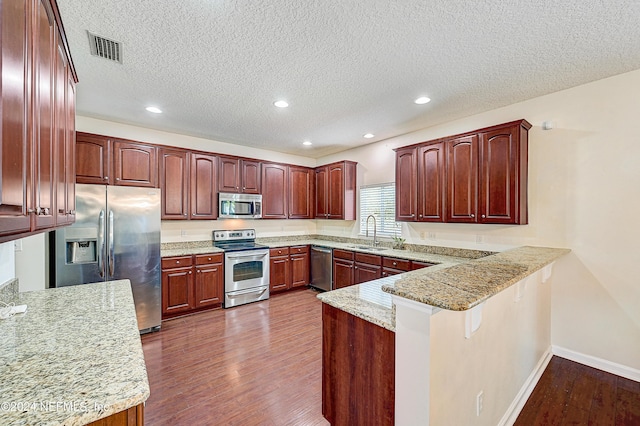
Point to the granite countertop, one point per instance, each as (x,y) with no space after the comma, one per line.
(74,357)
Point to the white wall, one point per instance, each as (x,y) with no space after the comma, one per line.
(584,194)
(7,262)
(31,263)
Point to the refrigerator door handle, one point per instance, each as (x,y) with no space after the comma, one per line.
(110,245)
(101,243)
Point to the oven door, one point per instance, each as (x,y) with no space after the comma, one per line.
(246,269)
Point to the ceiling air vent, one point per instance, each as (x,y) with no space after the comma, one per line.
(105,48)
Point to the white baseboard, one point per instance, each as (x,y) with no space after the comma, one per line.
(599,363)
(523,395)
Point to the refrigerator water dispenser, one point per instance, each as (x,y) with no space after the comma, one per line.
(82,251)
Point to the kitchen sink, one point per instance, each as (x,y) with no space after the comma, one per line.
(369,248)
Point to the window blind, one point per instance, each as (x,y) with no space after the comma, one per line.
(380,201)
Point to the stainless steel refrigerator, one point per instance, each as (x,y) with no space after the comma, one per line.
(116,236)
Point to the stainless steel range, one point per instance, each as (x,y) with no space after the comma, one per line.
(246,267)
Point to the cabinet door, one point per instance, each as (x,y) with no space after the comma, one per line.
(250,177)
(174,183)
(387,272)
(60,136)
(279,278)
(301,194)
(336,191)
(342,273)
(209,285)
(501,183)
(71,146)
(134,164)
(93,156)
(43,131)
(364,272)
(15,174)
(204,193)
(299,269)
(431,183)
(462,181)
(406,191)
(274,191)
(228,174)
(177,290)
(321,183)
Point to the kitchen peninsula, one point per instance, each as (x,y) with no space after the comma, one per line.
(73,358)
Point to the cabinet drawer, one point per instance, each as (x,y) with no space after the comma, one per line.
(343,254)
(280,251)
(299,249)
(204,259)
(391,262)
(419,265)
(371,259)
(176,262)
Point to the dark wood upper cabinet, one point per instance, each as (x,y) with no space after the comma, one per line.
(274,191)
(477,177)
(503,175)
(462,183)
(174,183)
(134,164)
(204,201)
(406,191)
(301,192)
(93,157)
(15,171)
(238,175)
(431,183)
(336,191)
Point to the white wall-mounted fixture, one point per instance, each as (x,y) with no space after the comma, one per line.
(281,104)
(154,110)
(368,135)
(548,125)
(473,319)
(307,143)
(422,100)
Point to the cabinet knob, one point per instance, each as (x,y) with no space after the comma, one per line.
(106,178)
(189,272)
(177,262)
(198,271)
(244,187)
(473,215)
(185,215)
(356,267)
(413,214)
(31,211)
(384,274)
(279,251)
(117,178)
(395,263)
(209,259)
(418,215)
(483,216)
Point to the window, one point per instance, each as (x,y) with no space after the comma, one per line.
(380,201)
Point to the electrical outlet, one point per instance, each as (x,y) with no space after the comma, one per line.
(479,402)
(17,244)
(432,235)
(422,235)
(479,239)
(183,233)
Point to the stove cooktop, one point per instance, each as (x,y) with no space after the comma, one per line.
(237,240)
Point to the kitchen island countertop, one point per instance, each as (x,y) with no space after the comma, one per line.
(74,357)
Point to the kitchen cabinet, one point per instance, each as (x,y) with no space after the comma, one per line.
(275,191)
(367,267)
(110,161)
(358,370)
(419,265)
(477,177)
(335,191)
(187,183)
(35,192)
(343,263)
(406,188)
(288,268)
(191,283)
(239,175)
(462,183)
(301,192)
(393,266)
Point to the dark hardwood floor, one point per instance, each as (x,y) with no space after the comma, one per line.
(260,364)
(257,364)
(569,393)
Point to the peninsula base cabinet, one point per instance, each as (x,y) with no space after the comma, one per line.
(358,370)
(133,416)
(288,268)
(191,284)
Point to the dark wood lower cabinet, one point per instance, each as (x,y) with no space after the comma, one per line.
(191,284)
(133,416)
(358,370)
(288,268)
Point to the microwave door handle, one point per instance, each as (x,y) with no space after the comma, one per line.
(101,243)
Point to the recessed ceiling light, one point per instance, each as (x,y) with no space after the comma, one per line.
(154,110)
(369,135)
(422,100)
(307,143)
(281,104)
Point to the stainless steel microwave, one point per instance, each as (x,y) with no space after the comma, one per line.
(239,206)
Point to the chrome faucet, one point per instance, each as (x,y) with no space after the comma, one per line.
(375,242)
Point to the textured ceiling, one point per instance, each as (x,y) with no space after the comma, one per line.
(346,67)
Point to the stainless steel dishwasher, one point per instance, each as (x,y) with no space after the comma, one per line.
(322,268)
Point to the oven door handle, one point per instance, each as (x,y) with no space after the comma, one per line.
(249,291)
(255,256)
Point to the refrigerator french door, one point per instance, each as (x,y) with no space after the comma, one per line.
(116,236)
